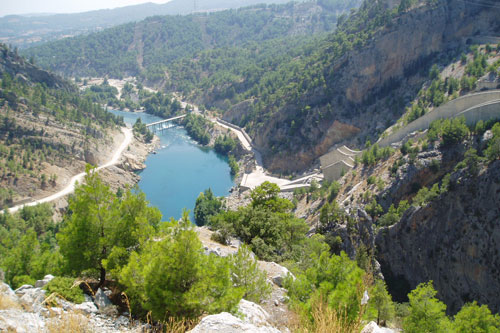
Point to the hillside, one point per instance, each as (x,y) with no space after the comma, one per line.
(297,97)
(149,47)
(47,131)
(26,31)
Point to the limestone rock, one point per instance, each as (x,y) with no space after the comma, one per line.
(7,292)
(372,327)
(101,300)
(14,320)
(277,272)
(31,297)
(254,319)
(253,313)
(86,307)
(227,323)
(46,279)
(131,163)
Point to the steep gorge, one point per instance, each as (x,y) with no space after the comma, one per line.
(453,241)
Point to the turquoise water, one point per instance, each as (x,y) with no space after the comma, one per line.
(180,170)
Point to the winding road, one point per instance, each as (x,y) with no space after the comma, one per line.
(259,175)
(79,177)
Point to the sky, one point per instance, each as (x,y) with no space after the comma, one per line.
(8,7)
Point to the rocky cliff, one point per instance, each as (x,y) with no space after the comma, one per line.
(366,89)
(454,241)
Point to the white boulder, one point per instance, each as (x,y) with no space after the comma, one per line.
(253,319)
(227,323)
(46,279)
(372,327)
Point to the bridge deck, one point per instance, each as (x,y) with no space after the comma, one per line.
(165,120)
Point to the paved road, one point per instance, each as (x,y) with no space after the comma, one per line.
(78,178)
(258,175)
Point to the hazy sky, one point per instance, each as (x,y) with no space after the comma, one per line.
(8,7)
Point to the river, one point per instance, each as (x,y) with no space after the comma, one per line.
(180,170)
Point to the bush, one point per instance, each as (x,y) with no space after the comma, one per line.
(336,279)
(235,168)
(173,277)
(65,287)
(426,312)
(475,318)
(246,275)
(207,205)
(21,280)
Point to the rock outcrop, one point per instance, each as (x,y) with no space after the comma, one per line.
(254,320)
(453,241)
(372,327)
(26,310)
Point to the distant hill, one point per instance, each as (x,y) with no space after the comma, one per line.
(28,30)
(145,47)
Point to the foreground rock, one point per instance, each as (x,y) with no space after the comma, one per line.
(372,327)
(255,319)
(26,310)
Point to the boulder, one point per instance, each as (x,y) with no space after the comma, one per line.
(253,319)
(6,291)
(372,327)
(101,300)
(280,274)
(253,313)
(32,298)
(227,323)
(86,307)
(42,283)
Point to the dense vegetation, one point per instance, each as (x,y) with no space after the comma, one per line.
(163,269)
(161,266)
(169,38)
(197,128)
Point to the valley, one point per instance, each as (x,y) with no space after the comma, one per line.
(339,161)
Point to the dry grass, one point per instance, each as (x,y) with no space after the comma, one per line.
(7,303)
(326,319)
(171,325)
(69,322)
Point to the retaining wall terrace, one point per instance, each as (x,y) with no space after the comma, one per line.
(480,106)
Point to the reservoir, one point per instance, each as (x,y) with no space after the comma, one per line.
(180,170)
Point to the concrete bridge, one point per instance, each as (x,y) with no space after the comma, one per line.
(162,124)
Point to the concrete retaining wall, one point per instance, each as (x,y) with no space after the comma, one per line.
(449,110)
(237,128)
(334,171)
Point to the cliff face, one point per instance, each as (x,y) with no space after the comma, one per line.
(454,241)
(363,87)
(401,47)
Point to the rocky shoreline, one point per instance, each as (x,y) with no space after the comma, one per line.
(123,174)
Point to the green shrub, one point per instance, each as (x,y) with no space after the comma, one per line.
(173,277)
(21,280)
(475,318)
(426,312)
(65,287)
